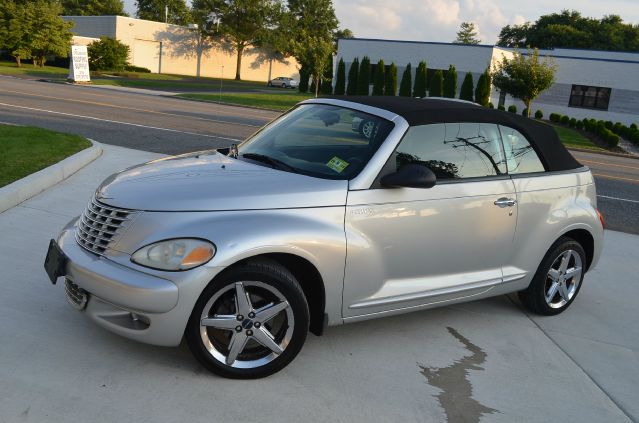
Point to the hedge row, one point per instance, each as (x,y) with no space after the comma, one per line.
(606,130)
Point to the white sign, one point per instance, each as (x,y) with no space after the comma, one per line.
(79,65)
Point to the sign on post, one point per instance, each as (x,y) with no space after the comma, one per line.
(79,64)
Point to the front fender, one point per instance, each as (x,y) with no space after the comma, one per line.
(315,234)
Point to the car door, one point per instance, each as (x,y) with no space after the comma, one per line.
(407,247)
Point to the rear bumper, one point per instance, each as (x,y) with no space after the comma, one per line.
(138,305)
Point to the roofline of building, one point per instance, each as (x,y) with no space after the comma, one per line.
(417,42)
(120,16)
(541,51)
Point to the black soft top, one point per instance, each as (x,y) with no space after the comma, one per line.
(417,111)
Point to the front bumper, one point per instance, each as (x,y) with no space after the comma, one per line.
(146,307)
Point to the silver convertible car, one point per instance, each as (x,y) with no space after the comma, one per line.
(309,224)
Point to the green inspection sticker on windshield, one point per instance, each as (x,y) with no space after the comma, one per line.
(337,164)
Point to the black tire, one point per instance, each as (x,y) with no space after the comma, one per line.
(268,273)
(534,297)
(269,84)
(284,85)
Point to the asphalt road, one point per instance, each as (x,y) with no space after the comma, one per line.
(142,122)
(617,189)
(172,126)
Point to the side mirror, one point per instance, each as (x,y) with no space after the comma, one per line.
(410,176)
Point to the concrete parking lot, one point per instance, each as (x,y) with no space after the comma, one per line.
(485,360)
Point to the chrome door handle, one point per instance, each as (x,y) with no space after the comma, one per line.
(505,202)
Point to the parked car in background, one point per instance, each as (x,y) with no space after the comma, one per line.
(283,81)
(310,223)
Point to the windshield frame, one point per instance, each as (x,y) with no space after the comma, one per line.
(383,115)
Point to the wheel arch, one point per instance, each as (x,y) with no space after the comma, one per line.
(309,279)
(586,240)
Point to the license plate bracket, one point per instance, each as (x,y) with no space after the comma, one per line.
(55,263)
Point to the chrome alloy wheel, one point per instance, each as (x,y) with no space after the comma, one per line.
(247,324)
(563,279)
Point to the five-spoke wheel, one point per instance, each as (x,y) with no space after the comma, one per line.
(557,280)
(250,322)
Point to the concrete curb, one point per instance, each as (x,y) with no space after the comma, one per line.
(31,185)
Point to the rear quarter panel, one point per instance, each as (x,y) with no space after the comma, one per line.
(548,207)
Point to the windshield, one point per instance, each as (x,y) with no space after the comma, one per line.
(318,140)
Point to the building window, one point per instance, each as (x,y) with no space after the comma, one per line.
(589,97)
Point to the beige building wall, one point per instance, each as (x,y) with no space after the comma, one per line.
(165,48)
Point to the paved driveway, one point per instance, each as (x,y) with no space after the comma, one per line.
(483,360)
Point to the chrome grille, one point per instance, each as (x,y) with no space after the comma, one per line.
(99,226)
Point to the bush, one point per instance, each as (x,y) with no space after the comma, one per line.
(539,114)
(340,78)
(436,87)
(405,84)
(139,69)
(580,124)
(108,54)
(572,122)
(634,126)
(565,120)
(491,105)
(380,77)
(390,84)
(467,87)
(525,112)
(450,82)
(512,108)
(609,124)
(501,107)
(364,77)
(555,117)
(612,139)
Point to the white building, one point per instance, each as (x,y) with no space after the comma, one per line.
(166,48)
(588,83)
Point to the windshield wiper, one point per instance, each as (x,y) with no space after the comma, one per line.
(269,160)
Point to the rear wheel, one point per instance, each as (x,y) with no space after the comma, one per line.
(558,279)
(284,85)
(249,323)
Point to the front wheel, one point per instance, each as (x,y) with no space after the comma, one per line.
(558,279)
(250,322)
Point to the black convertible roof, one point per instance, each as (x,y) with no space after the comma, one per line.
(418,111)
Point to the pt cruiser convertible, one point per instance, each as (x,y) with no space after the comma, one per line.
(310,223)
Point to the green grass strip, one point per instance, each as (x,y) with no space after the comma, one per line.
(25,150)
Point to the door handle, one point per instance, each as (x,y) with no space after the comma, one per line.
(505,202)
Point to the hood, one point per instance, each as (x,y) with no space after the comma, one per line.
(209,181)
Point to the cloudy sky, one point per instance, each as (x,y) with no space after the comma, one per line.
(438,20)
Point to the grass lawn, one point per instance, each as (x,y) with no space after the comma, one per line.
(571,138)
(137,79)
(279,101)
(10,68)
(26,150)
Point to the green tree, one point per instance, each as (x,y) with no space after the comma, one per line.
(450,82)
(525,76)
(15,28)
(93,8)
(340,78)
(569,29)
(239,23)
(353,76)
(390,85)
(108,54)
(49,35)
(420,80)
(467,34)
(304,76)
(364,77)
(311,25)
(155,10)
(482,89)
(380,78)
(466,92)
(436,88)
(405,84)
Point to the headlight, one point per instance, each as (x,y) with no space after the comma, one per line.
(175,254)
